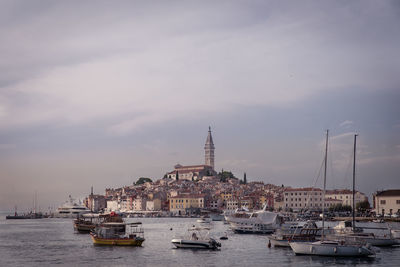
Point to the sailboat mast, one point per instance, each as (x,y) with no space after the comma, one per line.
(354,181)
(323,196)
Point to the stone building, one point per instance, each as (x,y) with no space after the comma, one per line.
(209,150)
(197,172)
(387,202)
(346,196)
(181,203)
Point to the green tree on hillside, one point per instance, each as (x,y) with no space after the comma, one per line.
(143,180)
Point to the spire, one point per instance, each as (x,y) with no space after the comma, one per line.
(209,141)
(209,149)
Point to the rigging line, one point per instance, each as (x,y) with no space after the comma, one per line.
(315,182)
(330,163)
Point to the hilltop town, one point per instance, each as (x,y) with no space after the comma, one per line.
(189,189)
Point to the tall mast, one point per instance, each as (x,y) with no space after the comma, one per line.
(354,181)
(323,196)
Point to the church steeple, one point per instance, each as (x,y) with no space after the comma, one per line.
(209,150)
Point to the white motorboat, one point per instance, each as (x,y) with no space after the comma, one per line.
(331,248)
(198,239)
(204,220)
(71,209)
(341,246)
(257,222)
(384,238)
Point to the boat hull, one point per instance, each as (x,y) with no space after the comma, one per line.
(84,229)
(193,244)
(332,250)
(117,241)
(278,242)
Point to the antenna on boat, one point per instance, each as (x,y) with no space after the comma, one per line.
(323,197)
(354,180)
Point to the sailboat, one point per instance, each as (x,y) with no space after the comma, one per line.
(334,248)
(348,229)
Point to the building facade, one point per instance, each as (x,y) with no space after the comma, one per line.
(387,202)
(179,204)
(299,199)
(191,173)
(346,196)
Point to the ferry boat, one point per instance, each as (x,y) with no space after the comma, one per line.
(118,234)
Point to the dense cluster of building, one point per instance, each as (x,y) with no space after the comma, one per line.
(189,189)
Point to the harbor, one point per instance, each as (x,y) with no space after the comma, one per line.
(53,241)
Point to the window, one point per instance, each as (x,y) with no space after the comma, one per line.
(305,194)
(286,194)
(286,199)
(172,201)
(295,194)
(397,201)
(299,194)
(383,201)
(291,194)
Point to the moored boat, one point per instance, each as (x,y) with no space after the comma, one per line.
(198,239)
(383,239)
(118,234)
(257,222)
(306,233)
(331,248)
(344,246)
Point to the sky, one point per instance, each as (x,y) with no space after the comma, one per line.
(100,93)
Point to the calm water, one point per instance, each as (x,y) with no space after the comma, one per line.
(53,241)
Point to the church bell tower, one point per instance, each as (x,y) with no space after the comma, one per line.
(209,150)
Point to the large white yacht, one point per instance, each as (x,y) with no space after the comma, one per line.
(71,209)
(257,222)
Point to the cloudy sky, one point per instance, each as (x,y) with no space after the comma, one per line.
(103,92)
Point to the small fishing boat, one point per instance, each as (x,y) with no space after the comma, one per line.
(198,239)
(118,234)
(87,222)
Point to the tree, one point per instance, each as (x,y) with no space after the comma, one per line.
(362,206)
(244,179)
(225,175)
(340,207)
(143,180)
